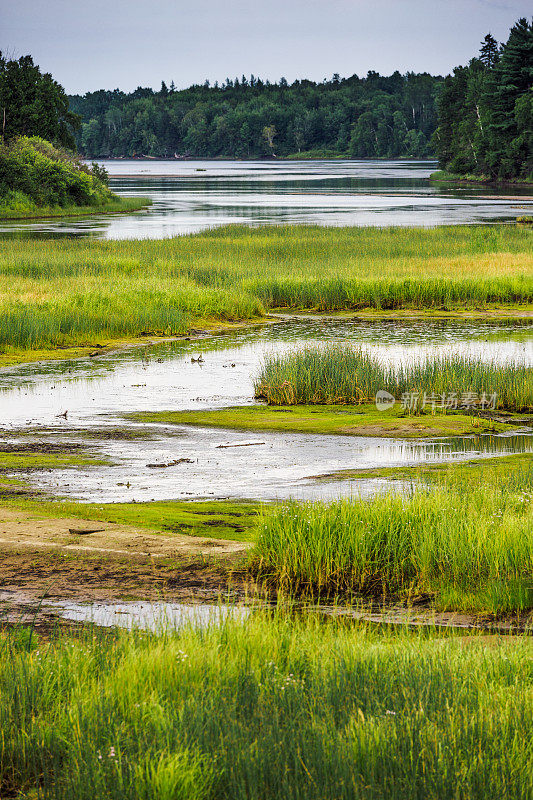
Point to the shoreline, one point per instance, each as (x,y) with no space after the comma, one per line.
(472,180)
(82,211)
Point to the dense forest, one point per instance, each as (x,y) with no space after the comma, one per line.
(486,111)
(369,117)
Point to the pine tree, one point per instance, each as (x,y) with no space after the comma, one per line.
(510,79)
(489,54)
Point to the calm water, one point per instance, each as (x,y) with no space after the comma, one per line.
(190,196)
(97,393)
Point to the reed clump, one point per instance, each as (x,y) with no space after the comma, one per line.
(468,544)
(340,374)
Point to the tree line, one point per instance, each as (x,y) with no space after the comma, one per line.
(485,111)
(372,117)
(479,120)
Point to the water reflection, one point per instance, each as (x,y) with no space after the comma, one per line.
(157,617)
(273,466)
(163,377)
(190,196)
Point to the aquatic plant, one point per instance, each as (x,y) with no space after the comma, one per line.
(468,543)
(341,374)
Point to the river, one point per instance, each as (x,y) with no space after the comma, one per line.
(191,196)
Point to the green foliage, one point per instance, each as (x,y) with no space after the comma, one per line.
(465,539)
(271,707)
(486,111)
(375,116)
(343,375)
(35,173)
(70,291)
(33,104)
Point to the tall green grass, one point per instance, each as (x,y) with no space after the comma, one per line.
(92,308)
(237,273)
(391,294)
(469,544)
(340,374)
(267,709)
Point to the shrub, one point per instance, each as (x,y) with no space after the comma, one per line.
(34,172)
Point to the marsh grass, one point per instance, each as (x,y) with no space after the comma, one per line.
(274,707)
(468,543)
(340,374)
(69,292)
(62,312)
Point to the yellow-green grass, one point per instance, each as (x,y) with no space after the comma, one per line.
(340,374)
(30,210)
(466,542)
(360,420)
(68,292)
(221,519)
(271,707)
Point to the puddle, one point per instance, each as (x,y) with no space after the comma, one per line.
(162,617)
(96,393)
(155,617)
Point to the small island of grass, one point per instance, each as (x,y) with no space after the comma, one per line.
(363,420)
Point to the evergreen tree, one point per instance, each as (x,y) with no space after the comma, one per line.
(511,77)
(34,104)
(490,51)
(485,110)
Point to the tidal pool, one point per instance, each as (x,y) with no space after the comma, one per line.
(96,394)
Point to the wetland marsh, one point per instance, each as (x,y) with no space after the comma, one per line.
(151,480)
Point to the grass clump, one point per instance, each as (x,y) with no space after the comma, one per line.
(267,708)
(340,374)
(469,545)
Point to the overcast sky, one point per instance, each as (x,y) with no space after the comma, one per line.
(98,44)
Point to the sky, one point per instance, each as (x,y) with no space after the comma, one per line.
(105,44)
